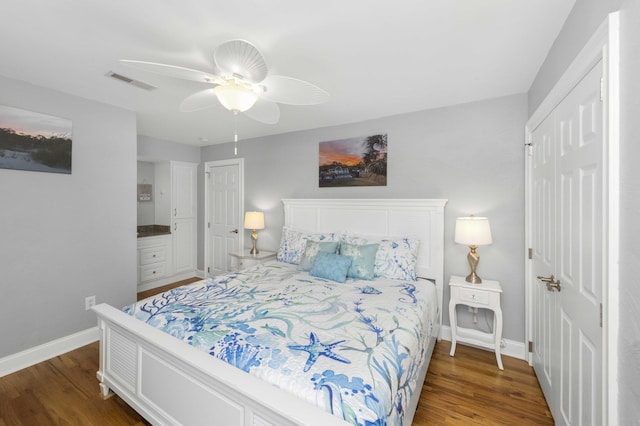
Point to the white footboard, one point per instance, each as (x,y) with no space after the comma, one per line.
(170,383)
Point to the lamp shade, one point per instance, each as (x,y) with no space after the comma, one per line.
(254,220)
(235,97)
(473,231)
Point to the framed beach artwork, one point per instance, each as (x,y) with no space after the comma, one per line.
(360,161)
(33,141)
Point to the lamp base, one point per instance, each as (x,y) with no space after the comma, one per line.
(254,240)
(473,278)
(473,258)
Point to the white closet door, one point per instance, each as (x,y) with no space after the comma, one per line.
(568,228)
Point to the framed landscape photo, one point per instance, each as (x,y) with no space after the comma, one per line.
(34,141)
(359,161)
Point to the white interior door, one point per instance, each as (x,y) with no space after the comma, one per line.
(567,237)
(224,205)
(543,162)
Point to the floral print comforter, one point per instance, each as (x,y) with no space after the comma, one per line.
(353,349)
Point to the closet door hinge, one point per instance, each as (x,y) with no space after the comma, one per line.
(530,346)
(601,315)
(529,146)
(208,269)
(530,253)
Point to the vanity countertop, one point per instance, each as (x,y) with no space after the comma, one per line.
(153,230)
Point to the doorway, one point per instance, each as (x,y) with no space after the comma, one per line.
(572,212)
(224,204)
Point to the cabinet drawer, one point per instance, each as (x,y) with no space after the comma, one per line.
(479,297)
(151,272)
(151,255)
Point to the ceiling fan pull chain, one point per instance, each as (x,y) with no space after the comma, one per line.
(235,133)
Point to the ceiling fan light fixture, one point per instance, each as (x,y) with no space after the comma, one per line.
(235,97)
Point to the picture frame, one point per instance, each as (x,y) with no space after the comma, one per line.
(357,161)
(34,141)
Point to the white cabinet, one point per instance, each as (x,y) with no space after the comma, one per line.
(154,258)
(183,193)
(184,247)
(175,205)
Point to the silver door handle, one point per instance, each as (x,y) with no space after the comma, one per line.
(551,282)
(235,231)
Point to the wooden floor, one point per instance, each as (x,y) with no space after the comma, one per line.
(465,390)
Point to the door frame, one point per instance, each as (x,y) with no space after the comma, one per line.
(603,45)
(208,165)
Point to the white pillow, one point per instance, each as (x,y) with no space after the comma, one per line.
(293,243)
(396,256)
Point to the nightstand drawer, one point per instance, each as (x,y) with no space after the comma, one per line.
(247,263)
(244,259)
(151,255)
(480,297)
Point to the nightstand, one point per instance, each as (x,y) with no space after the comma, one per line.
(244,259)
(486,296)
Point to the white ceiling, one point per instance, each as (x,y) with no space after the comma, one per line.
(376,58)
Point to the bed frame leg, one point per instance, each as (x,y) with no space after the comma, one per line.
(105,391)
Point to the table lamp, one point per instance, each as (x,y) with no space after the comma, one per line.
(473,231)
(254,221)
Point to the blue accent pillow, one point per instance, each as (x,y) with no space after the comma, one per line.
(363,258)
(331,266)
(311,251)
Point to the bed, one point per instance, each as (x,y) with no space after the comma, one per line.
(319,352)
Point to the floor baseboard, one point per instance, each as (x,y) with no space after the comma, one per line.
(32,356)
(511,347)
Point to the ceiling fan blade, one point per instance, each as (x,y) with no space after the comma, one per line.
(264,111)
(200,100)
(240,59)
(173,71)
(292,91)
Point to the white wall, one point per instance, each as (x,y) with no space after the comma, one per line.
(580,25)
(472,154)
(65,237)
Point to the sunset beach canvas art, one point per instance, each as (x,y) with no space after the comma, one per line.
(33,141)
(359,161)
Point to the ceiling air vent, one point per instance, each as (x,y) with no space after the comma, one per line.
(131,81)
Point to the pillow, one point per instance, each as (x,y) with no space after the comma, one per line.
(331,266)
(396,259)
(311,251)
(362,260)
(293,243)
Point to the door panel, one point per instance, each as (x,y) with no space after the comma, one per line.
(567,234)
(543,237)
(224,227)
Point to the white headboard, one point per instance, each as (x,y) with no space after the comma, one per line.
(423,218)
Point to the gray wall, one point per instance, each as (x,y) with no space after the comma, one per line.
(154,149)
(65,237)
(629,331)
(471,154)
(582,22)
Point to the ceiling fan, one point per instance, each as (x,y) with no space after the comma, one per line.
(241,83)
